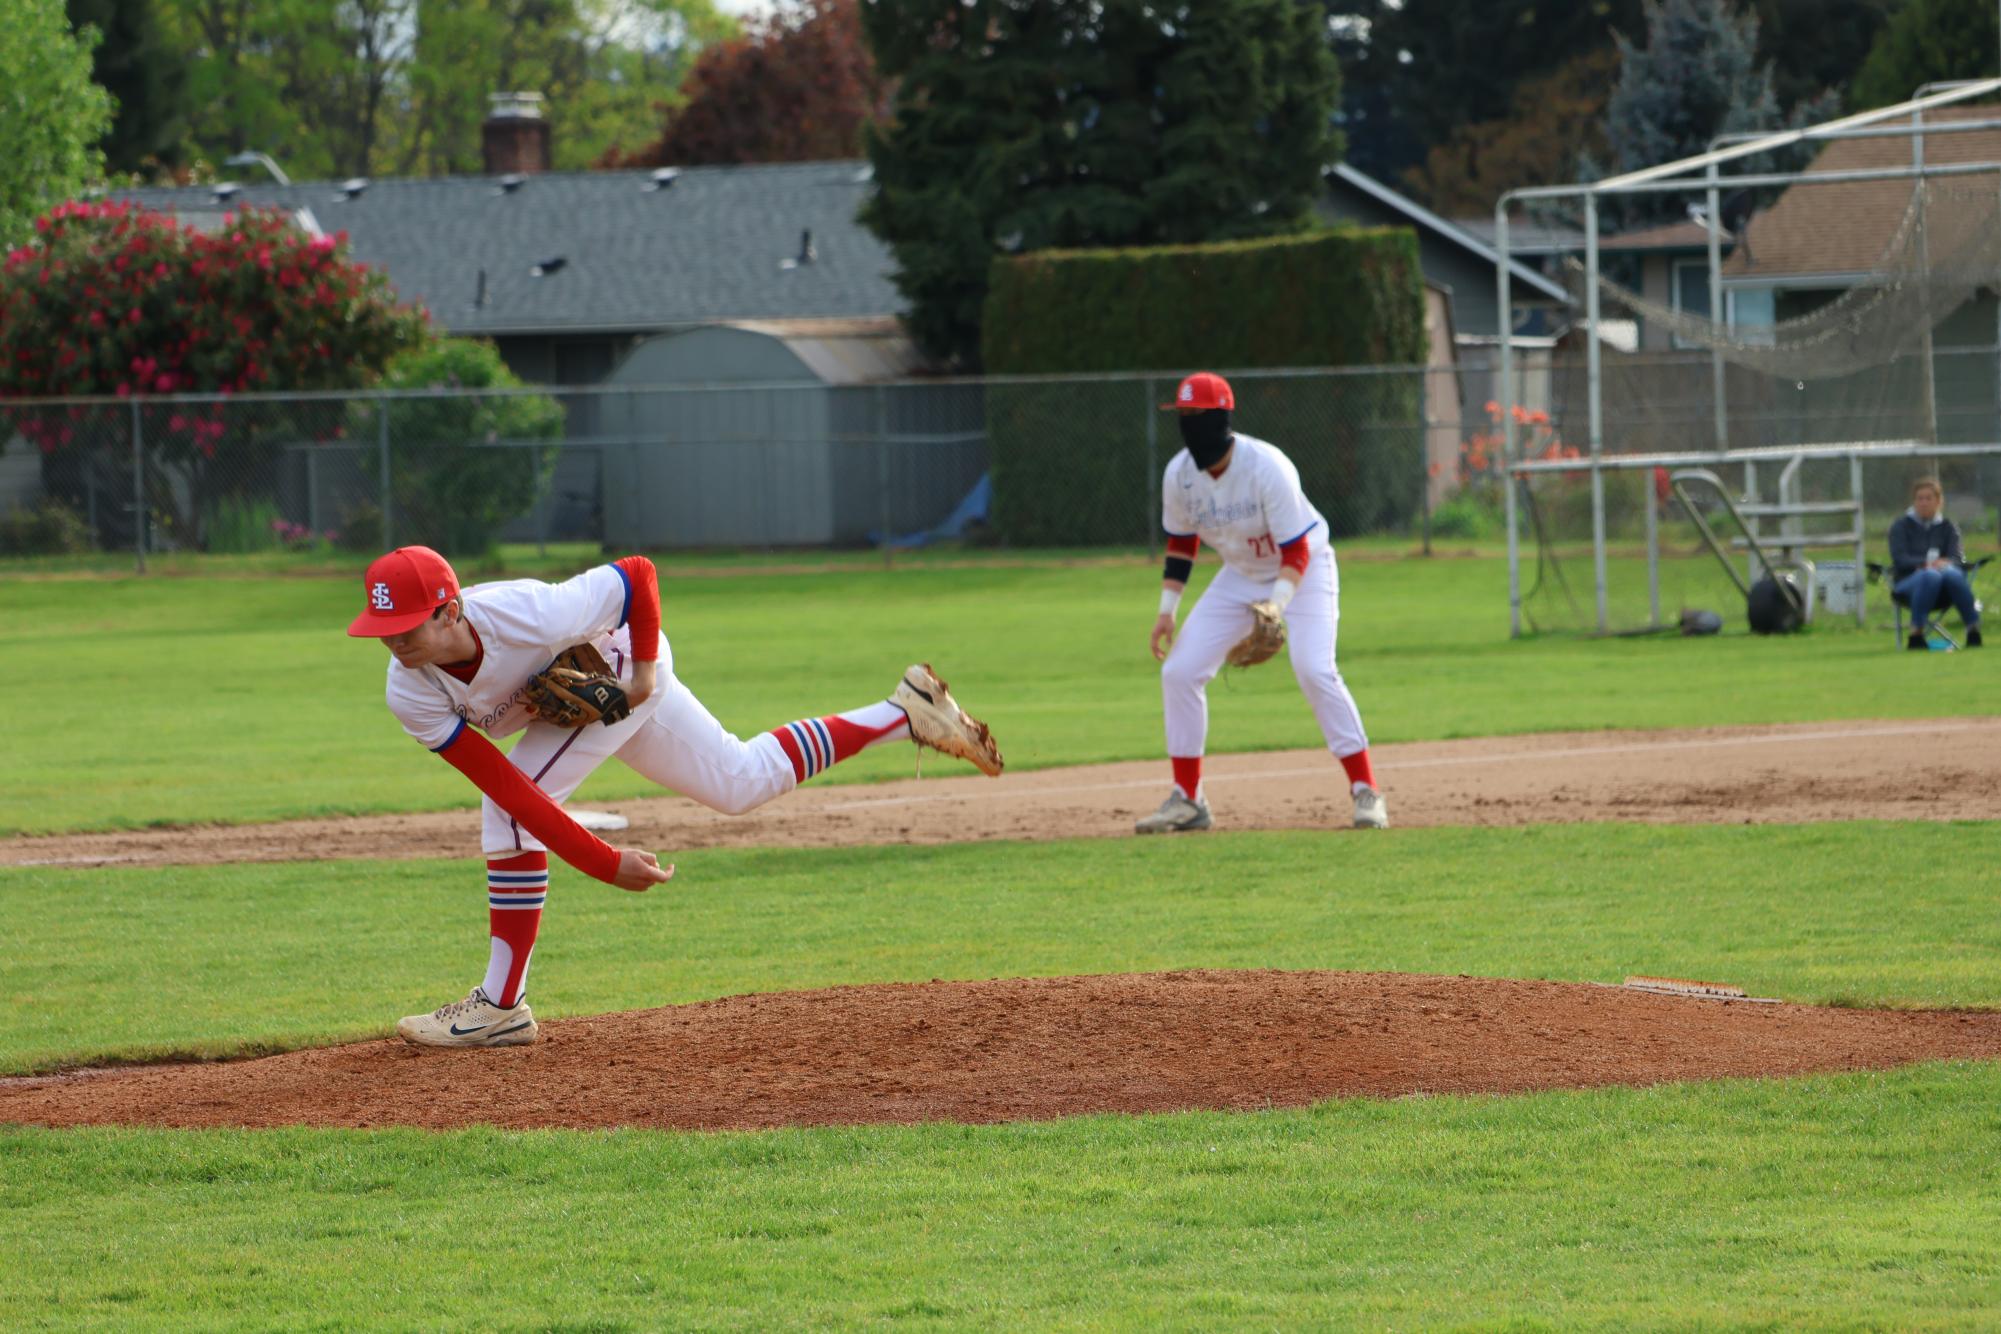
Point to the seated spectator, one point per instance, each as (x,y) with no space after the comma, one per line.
(1928,564)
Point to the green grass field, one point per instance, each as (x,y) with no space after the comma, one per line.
(1857,1202)
(242,957)
(242,699)
(1863,1201)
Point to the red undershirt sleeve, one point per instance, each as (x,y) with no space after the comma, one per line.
(643,615)
(1294,555)
(491,772)
(1184,547)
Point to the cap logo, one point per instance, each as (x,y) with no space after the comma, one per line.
(379,599)
(1188,393)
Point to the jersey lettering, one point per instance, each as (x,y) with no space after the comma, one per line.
(1244,514)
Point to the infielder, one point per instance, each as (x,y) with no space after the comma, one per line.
(1242,496)
(472,662)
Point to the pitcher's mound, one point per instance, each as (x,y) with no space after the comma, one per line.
(1023,1048)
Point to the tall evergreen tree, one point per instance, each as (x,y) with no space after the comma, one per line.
(1927,41)
(1417,72)
(1024,126)
(146,78)
(1818,45)
(1696,77)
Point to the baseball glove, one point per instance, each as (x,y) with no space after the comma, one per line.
(577,689)
(1266,638)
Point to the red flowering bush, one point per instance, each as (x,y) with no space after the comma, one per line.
(1475,508)
(122,302)
(1480,458)
(111,299)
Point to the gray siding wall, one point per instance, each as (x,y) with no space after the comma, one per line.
(1468,278)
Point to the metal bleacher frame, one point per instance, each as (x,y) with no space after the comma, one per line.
(1791,511)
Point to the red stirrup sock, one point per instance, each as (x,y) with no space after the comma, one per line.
(816,744)
(1188,775)
(1359,769)
(515,889)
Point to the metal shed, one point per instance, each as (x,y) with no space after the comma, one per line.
(804,432)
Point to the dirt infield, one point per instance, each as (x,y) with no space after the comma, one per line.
(1925,769)
(1022,1049)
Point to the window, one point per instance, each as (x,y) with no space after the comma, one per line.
(1690,293)
(1753,311)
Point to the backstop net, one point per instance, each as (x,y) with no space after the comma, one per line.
(1895,357)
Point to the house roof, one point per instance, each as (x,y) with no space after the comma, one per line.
(1844,228)
(1667,236)
(1451,232)
(710,247)
(1525,238)
(856,351)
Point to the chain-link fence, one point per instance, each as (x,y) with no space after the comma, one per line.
(1815,466)
(1024,462)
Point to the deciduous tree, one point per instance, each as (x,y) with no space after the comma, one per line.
(1556,118)
(1419,71)
(400,87)
(798,87)
(51,114)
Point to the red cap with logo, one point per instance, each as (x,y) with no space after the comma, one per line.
(1202,391)
(403,588)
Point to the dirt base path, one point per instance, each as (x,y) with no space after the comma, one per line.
(1944,769)
(1016,1049)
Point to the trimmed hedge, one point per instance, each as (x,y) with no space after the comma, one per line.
(1072,462)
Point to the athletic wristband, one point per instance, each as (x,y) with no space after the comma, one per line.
(1282,591)
(1170,600)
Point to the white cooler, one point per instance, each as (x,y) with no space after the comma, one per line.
(1838,583)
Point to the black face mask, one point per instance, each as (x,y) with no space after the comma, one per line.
(1207,435)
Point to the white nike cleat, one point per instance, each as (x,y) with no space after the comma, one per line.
(472,1022)
(1370,812)
(1176,815)
(937,721)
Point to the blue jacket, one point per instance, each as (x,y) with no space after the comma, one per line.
(1912,540)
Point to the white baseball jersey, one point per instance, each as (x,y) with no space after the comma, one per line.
(1248,513)
(522,624)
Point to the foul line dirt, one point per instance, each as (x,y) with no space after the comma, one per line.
(1940,769)
(1020,1049)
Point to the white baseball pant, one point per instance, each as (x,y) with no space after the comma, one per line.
(1221,617)
(670,738)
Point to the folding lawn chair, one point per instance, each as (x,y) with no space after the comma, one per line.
(1879,572)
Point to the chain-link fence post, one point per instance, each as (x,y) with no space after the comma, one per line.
(882,471)
(139,506)
(1150,490)
(313,488)
(382,445)
(1424,457)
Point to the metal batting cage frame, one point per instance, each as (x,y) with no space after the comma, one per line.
(1703,174)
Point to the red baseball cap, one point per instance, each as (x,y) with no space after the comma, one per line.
(403,588)
(1202,391)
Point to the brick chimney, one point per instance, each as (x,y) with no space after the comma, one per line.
(515,136)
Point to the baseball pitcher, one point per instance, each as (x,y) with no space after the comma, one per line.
(583,672)
(1242,496)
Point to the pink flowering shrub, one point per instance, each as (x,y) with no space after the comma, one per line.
(116,300)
